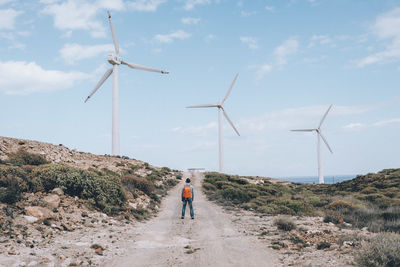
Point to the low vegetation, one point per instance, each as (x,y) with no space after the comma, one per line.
(104,190)
(284,224)
(382,251)
(371,201)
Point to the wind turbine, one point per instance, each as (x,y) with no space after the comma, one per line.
(319,136)
(221,111)
(115,61)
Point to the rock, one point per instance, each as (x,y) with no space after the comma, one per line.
(62,257)
(67,227)
(30,219)
(12,252)
(58,191)
(38,212)
(99,251)
(52,201)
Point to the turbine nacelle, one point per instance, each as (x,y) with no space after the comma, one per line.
(114,59)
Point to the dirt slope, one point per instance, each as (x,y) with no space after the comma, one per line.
(209,240)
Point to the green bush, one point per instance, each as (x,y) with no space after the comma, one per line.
(103,191)
(13,182)
(22,157)
(132,182)
(236,195)
(208,186)
(284,224)
(383,251)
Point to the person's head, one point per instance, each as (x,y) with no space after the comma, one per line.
(187,180)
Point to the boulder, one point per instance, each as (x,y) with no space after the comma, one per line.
(38,212)
(52,201)
(30,219)
(58,191)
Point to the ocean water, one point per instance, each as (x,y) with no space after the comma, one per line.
(329,179)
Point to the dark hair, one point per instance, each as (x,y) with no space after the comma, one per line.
(187,180)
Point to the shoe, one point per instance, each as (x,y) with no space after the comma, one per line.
(182,217)
(192,218)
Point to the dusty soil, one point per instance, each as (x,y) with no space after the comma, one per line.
(299,247)
(211,239)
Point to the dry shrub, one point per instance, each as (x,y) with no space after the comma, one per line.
(22,157)
(340,205)
(285,224)
(383,251)
(131,182)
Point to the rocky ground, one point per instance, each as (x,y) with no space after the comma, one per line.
(53,229)
(58,230)
(312,243)
(62,154)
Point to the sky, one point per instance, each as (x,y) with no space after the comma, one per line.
(294,59)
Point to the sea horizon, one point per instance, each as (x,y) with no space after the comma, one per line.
(329,179)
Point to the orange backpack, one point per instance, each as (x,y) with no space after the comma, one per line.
(187,193)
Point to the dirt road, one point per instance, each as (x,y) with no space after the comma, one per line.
(209,240)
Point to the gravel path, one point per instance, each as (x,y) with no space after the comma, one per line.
(209,240)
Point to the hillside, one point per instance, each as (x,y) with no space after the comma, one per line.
(52,198)
(331,225)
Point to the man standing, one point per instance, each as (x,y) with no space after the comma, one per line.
(187,196)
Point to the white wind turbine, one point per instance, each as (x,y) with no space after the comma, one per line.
(115,61)
(221,111)
(319,136)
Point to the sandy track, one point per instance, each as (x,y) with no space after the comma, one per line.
(209,240)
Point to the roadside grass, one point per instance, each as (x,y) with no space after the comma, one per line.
(382,251)
(371,201)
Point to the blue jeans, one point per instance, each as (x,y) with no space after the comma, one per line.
(185,201)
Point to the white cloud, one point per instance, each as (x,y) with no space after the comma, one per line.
(319,39)
(250,41)
(270,8)
(209,38)
(81,14)
(3,2)
(360,126)
(190,4)
(190,20)
(71,53)
(262,71)
(386,122)
(244,13)
(281,54)
(293,118)
(48,1)
(354,126)
(386,27)
(7,18)
(288,47)
(202,130)
(146,5)
(22,78)
(169,38)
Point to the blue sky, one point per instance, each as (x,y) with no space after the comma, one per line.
(294,59)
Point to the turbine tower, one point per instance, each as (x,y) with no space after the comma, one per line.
(319,136)
(221,111)
(115,61)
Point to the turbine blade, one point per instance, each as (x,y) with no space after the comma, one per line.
(230,89)
(139,67)
(102,80)
(230,122)
(203,106)
(326,142)
(323,118)
(114,36)
(303,130)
